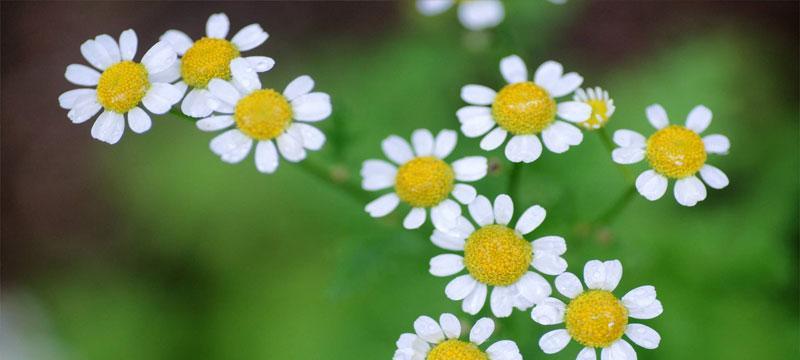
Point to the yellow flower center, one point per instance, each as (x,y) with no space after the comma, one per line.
(122,86)
(456,350)
(676,152)
(596,318)
(263,114)
(424,181)
(599,115)
(497,255)
(207,59)
(523,108)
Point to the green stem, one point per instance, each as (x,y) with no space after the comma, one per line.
(611,214)
(609,145)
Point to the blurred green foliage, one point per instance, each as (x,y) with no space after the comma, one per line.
(221,262)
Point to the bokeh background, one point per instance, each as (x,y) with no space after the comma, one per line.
(155,249)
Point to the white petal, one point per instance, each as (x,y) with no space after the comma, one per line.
(224,91)
(447,241)
(699,119)
(464,193)
(613,274)
(533,287)
(523,148)
(232,146)
(178,40)
(96,54)
(266,157)
(548,263)
(383,205)
(555,245)
(627,155)
(481,211)
(548,74)
(717,144)
(619,350)
(501,301)
(568,285)
(313,138)
(291,147)
(474,301)
(481,331)
(494,139)
(450,325)
(647,312)
(651,185)
(215,123)
(84,108)
(554,341)
(68,99)
(314,106)
(478,94)
(479,15)
(245,75)
(300,86)
(110,45)
(428,329)
(422,139)
(159,58)
(138,120)
(217,26)
(513,69)
(260,63)
(249,37)
(82,75)
(588,353)
(397,149)
(689,191)
(433,7)
(549,312)
(641,302)
(445,143)
(530,219)
(109,127)
(475,120)
(377,174)
(414,344)
(460,287)
(415,218)
(714,177)
(643,335)
(559,136)
(444,215)
(503,209)
(504,350)
(128,42)
(566,84)
(574,111)
(446,264)
(657,116)
(169,75)
(161,96)
(602,275)
(629,139)
(470,168)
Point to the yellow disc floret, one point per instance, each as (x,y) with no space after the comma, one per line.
(424,181)
(676,152)
(497,255)
(523,108)
(596,318)
(122,86)
(599,115)
(263,114)
(207,59)
(456,350)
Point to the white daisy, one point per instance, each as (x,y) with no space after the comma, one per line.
(210,58)
(440,341)
(595,318)
(473,14)
(525,109)
(498,255)
(121,85)
(423,180)
(264,116)
(602,107)
(674,152)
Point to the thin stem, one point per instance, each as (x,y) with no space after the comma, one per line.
(611,214)
(609,145)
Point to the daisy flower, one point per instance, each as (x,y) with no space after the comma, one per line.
(674,152)
(210,58)
(497,255)
(602,107)
(120,86)
(473,14)
(423,179)
(440,341)
(596,318)
(264,116)
(525,109)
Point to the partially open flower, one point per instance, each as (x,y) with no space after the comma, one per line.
(473,14)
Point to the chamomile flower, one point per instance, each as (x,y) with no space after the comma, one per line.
(473,14)
(596,318)
(264,116)
(210,58)
(440,341)
(121,85)
(498,255)
(423,179)
(674,152)
(602,107)
(526,109)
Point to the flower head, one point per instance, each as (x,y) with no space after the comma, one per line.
(602,107)
(211,57)
(498,255)
(121,85)
(473,14)
(440,341)
(595,317)
(264,116)
(674,152)
(422,179)
(526,109)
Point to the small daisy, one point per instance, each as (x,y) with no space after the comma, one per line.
(121,85)
(423,180)
(674,152)
(210,58)
(595,318)
(266,117)
(525,109)
(602,107)
(498,255)
(440,341)
(473,14)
